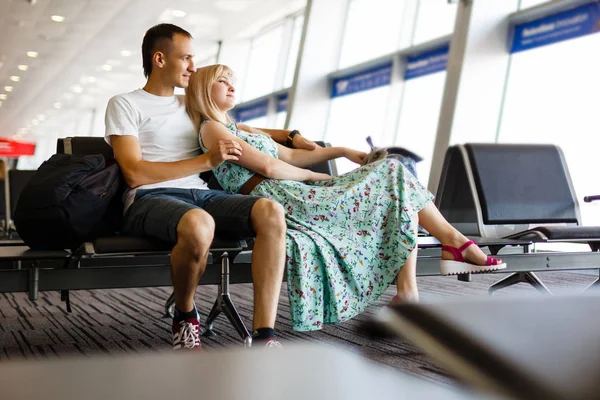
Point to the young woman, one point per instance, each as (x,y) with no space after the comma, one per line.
(349,236)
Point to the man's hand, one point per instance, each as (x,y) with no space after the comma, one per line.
(224,150)
(300,142)
(355,156)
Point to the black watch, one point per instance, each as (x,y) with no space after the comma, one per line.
(290,139)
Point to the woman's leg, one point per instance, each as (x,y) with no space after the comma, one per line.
(406,281)
(435,223)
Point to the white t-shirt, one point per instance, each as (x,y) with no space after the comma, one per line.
(163,128)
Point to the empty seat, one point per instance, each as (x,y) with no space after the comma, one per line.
(512,191)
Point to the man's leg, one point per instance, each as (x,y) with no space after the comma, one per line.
(195,232)
(247,216)
(170,215)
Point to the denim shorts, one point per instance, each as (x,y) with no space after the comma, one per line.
(156,212)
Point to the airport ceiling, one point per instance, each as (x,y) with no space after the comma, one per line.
(95,50)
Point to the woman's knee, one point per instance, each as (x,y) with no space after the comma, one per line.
(268,217)
(196,230)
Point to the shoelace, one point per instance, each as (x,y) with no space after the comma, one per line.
(189,335)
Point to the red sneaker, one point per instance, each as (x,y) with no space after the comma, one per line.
(186,335)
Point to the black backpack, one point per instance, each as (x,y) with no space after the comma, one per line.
(69,200)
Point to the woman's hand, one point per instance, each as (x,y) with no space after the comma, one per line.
(224,150)
(318,177)
(355,156)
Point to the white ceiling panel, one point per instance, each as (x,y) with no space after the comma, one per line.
(95,32)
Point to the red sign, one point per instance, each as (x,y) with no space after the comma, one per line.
(13,148)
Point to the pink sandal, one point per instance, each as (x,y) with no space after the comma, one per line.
(460,266)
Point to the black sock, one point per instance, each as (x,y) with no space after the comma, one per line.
(263,334)
(182,316)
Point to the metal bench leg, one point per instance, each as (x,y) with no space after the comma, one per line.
(34,278)
(236,321)
(518,277)
(224,304)
(170,306)
(595,285)
(64,296)
(212,316)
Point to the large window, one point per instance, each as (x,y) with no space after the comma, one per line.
(280,117)
(235,53)
(418,120)
(262,65)
(372,29)
(531,3)
(272,59)
(353,118)
(254,114)
(260,122)
(290,67)
(551,97)
(206,54)
(435,18)
(205,61)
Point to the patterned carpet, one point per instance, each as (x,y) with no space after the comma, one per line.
(130,320)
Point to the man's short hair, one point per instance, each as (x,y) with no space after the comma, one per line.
(159,38)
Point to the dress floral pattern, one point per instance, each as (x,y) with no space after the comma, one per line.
(347,238)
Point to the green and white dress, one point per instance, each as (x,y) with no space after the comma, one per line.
(347,238)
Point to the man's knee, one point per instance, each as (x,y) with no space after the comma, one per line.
(268,217)
(195,231)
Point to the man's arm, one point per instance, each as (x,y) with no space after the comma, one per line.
(139,172)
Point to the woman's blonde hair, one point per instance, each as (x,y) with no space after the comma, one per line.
(198,103)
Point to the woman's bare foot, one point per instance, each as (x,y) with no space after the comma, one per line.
(403,298)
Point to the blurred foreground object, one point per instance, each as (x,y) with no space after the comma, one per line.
(295,372)
(529,348)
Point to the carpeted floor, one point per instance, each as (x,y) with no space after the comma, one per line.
(130,320)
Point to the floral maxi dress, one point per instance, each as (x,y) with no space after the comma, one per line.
(347,238)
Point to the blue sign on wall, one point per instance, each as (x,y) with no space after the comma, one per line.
(282,103)
(565,25)
(362,80)
(252,111)
(427,63)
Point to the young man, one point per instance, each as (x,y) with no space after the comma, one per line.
(156,146)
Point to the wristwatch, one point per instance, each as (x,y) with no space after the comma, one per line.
(290,139)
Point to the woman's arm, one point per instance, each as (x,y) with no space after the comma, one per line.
(255,160)
(306,158)
(281,135)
